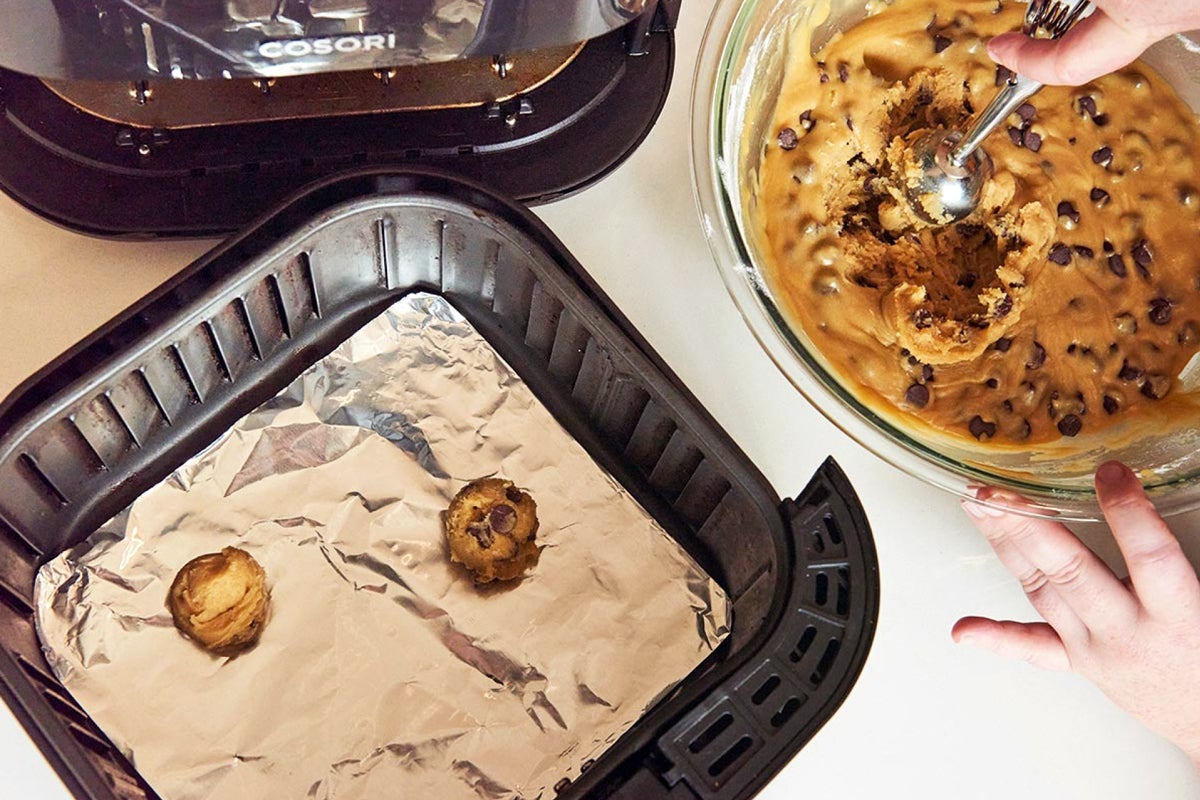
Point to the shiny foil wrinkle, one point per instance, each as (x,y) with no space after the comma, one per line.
(382,670)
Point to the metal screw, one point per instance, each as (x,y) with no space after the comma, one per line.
(143,149)
(140,92)
(385,75)
(264,84)
(501,64)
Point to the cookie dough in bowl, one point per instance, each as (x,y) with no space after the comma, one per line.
(1055,327)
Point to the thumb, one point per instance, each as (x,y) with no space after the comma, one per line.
(1095,46)
(1035,642)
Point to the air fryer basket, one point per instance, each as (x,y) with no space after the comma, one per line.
(106,421)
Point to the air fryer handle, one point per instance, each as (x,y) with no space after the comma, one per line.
(754,722)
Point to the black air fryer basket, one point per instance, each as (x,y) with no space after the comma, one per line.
(83,438)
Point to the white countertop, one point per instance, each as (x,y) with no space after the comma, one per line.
(927,719)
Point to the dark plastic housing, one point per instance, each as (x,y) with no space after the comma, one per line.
(116,414)
(111,179)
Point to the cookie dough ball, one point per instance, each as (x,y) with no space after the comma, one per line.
(219,600)
(490,526)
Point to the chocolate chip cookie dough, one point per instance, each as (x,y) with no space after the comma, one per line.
(219,600)
(490,526)
(1069,300)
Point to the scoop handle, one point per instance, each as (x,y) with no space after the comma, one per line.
(1015,92)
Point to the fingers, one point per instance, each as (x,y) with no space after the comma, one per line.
(1096,46)
(1035,642)
(1164,580)
(1069,585)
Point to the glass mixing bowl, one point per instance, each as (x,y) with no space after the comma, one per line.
(738,75)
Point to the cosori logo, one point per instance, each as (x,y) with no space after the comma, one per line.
(299,48)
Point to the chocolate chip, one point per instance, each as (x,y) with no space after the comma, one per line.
(1111,406)
(1103,156)
(1026,112)
(917,395)
(824,78)
(1002,344)
(1083,251)
(967,281)
(1037,357)
(1129,372)
(1071,140)
(1070,425)
(1141,253)
(927,373)
(843,72)
(788,139)
(1189,333)
(980,428)
(1067,209)
(1004,75)
(1032,141)
(482,533)
(1071,348)
(1160,311)
(1088,105)
(1016,136)
(1101,120)
(1003,307)
(502,518)
(1060,254)
(1098,195)
(968,229)
(849,122)
(991,383)
(922,318)
(1116,265)
(1007,406)
(1156,386)
(941,42)
(924,96)
(1025,429)
(514,494)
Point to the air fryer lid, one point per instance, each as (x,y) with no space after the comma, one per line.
(141,174)
(143,39)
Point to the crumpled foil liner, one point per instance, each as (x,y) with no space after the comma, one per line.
(382,671)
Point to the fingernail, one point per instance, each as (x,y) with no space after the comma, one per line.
(980,511)
(1110,473)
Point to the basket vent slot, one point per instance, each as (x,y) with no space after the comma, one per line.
(764,692)
(544,313)
(802,646)
(786,712)
(709,734)
(39,481)
(827,659)
(730,756)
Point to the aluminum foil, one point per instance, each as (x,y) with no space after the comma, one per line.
(382,671)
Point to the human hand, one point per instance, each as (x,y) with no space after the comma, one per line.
(1138,641)
(1114,35)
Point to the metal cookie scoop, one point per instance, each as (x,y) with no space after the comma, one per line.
(949,167)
